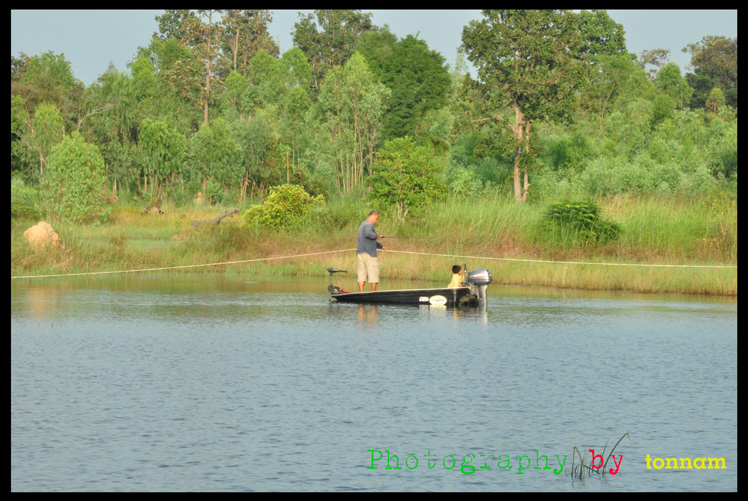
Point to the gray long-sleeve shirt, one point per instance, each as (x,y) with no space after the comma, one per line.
(367,239)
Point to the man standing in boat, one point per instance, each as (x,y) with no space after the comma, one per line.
(366,252)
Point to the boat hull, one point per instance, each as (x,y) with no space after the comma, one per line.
(446,296)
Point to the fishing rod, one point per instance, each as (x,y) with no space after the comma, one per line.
(412,238)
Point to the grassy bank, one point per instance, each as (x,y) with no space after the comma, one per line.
(496,233)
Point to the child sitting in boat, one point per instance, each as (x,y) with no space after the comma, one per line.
(456,277)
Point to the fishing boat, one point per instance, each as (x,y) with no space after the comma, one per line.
(473,293)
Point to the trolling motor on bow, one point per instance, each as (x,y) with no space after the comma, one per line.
(334,289)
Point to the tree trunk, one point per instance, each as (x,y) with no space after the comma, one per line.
(518,129)
(521,131)
(215,220)
(207,76)
(527,161)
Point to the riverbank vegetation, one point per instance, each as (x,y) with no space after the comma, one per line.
(622,161)
(513,240)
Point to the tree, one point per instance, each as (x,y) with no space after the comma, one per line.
(215,154)
(333,43)
(351,102)
(114,119)
(524,59)
(416,76)
(654,57)
(213,32)
(73,180)
(168,83)
(715,63)
(267,77)
(299,69)
(164,150)
(254,138)
(45,78)
(296,103)
(601,36)
(716,100)
(189,30)
(533,61)
(36,133)
(613,78)
(182,25)
(232,98)
(670,82)
(245,33)
(405,177)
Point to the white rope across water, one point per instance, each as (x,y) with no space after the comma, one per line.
(164,268)
(568,262)
(183,266)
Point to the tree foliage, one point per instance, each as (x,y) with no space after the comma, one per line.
(328,38)
(210,105)
(352,103)
(164,150)
(715,63)
(534,61)
(73,180)
(416,76)
(405,177)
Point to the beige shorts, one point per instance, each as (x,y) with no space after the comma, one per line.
(368,268)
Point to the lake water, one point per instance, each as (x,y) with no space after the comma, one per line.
(199,383)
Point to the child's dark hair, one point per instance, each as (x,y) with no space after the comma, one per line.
(456,268)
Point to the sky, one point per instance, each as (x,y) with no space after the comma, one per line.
(92,39)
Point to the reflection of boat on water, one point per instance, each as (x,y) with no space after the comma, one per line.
(473,293)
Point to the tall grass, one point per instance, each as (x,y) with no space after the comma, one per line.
(702,230)
(655,231)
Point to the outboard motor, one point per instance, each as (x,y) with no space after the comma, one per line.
(480,278)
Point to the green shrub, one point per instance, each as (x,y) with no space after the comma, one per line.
(584,219)
(24,201)
(285,207)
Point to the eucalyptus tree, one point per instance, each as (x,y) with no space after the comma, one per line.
(215,154)
(167,84)
(36,134)
(267,79)
(255,141)
(352,102)
(616,78)
(201,32)
(296,104)
(231,100)
(328,38)
(657,58)
(182,25)
(299,69)
(245,33)
(164,150)
(670,83)
(48,102)
(209,51)
(115,128)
